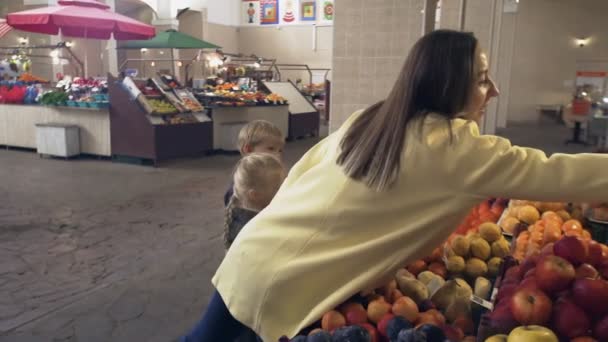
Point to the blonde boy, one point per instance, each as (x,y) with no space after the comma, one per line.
(258,136)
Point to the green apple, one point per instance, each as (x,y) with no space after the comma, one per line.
(497,338)
(532,333)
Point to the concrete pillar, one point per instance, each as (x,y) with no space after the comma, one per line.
(371,41)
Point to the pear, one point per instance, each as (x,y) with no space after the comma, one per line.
(460,307)
(413,288)
(444,297)
(482,288)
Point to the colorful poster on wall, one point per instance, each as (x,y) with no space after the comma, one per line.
(250,12)
(270,12)
(308,10)
(289,11)
(327,10)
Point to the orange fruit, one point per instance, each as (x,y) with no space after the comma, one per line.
(406,308)
(586,234)
(552,233)
(572,225)
(549,216)
(577,233)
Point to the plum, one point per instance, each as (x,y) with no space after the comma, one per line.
(299,338)
(411,335)
(395,326)
(353,333)
(321,336)
(433,333)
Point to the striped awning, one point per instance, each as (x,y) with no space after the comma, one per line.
(4,28)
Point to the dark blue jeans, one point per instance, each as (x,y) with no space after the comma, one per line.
(218,324)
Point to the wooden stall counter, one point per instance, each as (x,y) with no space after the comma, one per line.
(18,126)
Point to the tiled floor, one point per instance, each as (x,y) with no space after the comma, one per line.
(97,251)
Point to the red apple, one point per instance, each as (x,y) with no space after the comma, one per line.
(354,313)
(384,323)
(586,271)
(531,307)
(528,264)
(439,269)
(531,272)
(529,283)
(600,330)
(591,295)
(572,249)
(465,324)
(546,250)
(416,267)
(570,320)
(511,276)
(595,253)
(554,274)
(372,332)
(505,292)
(502,320)
(452,333)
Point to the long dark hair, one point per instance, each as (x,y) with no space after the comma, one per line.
(437,77)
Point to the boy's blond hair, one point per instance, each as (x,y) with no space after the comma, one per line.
(257,131)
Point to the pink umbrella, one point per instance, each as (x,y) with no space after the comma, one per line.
(80,18)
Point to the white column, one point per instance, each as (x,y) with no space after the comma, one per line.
(428,17)
(110,54)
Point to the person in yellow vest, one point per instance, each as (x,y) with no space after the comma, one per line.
(385,189)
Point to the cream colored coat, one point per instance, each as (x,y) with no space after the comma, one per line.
(325,236)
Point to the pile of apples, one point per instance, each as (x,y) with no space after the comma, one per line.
(563,288)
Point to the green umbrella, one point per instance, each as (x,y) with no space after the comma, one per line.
(170,39)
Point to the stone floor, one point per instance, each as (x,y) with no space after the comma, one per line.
(97,251)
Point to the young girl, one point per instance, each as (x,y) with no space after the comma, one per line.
(257,177)
(383,190)
(258,136)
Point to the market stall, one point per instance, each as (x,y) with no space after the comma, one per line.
(27,100)
(156,119)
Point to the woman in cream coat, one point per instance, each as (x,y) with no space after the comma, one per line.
(385,189)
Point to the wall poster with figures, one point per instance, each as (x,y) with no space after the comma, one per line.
(269,12)
(250,12)
(289,11)
(308,10)
(326,10)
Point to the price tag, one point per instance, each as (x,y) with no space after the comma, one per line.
(494,294)
(480,301)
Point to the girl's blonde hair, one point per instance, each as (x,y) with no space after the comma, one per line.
(257,131)
(262,172)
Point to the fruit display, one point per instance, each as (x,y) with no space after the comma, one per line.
(192,104)
(536,224)
(225,95)
(422,308)
(559,290)
(162,106)
(29,78)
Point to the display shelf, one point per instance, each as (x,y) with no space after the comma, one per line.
(134,134)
